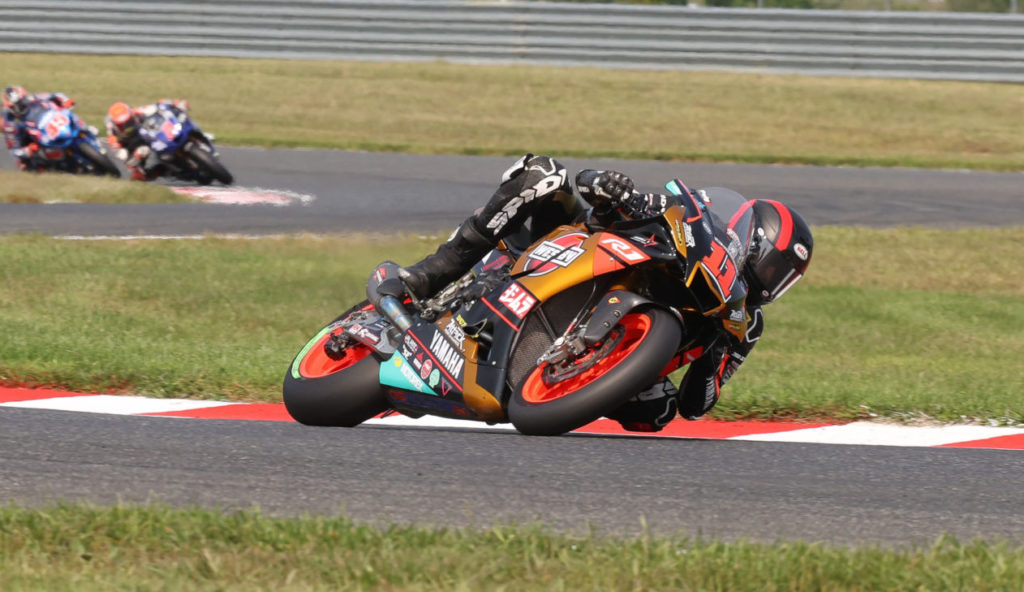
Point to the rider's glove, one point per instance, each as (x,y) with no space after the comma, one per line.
(139,156)
(644,205)
(604,189)
(25,152)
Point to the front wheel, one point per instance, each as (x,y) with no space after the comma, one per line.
(100,162)
(339,390)
(554,399)
(208,165)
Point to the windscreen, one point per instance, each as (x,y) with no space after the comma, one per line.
(732,218)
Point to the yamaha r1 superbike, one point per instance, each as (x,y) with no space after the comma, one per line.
(65,142)
(548,338)
(183,149)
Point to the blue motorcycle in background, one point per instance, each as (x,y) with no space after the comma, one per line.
(65,142)
(185,152)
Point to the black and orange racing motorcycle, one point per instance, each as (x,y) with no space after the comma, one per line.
(548,338)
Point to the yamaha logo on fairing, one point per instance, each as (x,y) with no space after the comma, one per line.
(446,355)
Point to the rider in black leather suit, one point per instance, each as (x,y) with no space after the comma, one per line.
(536,191)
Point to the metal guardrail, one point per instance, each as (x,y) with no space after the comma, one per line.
(956,46)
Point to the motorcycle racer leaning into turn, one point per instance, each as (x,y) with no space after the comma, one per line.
(535,196)
(124,139)
(16,104)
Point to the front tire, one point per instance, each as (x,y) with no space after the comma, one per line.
(553,400)
(322,391)
(208,165)
(101,163)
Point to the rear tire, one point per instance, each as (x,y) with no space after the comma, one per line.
(551,401)
(208,165)
(322,391)
(101,163)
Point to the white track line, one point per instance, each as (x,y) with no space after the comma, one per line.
(116,404)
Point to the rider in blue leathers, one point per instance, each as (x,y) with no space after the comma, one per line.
(16,104)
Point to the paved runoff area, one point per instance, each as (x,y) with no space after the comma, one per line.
(864,433)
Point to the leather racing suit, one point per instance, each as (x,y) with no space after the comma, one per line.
(16,135)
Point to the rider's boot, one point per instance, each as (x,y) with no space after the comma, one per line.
(523,185)
(452,259)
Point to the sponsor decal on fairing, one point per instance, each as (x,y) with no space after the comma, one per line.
(455,333)
(554,254)
(446,355)
(623,249)
(517,299)
(398,373)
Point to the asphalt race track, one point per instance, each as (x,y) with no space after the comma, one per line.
(362,191)
(729,489)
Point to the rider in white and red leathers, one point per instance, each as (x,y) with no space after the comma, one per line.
(536,191)
(123,137)
(16,104)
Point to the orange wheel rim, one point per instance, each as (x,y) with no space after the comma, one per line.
(317,364)
(537,388)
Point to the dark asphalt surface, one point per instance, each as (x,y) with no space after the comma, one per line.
(714,489)
(373,191)
(764,491)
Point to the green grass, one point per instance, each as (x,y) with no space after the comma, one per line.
(901,323)
(583,112)
(83,548)
(59,188)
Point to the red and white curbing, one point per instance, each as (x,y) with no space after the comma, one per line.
(244,196)
(858,433)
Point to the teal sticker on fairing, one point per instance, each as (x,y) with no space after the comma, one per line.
(398,372)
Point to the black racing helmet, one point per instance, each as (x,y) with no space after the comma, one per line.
(780,251)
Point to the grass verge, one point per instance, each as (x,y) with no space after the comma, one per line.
(85,548)
(16,187)
(901,323)
(581,112)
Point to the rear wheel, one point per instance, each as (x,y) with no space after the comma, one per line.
(557,398)
(101,163)
(341,389)
(208,165)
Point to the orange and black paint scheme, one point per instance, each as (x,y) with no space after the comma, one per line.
(472,357)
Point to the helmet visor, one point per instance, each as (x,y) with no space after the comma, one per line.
(775,272)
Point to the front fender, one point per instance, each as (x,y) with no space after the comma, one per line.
(613,307)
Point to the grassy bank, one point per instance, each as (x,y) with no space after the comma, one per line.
(18,187)
(84,548)
(900,323)
(585,112)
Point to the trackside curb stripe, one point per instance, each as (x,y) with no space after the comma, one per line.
(857,433)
